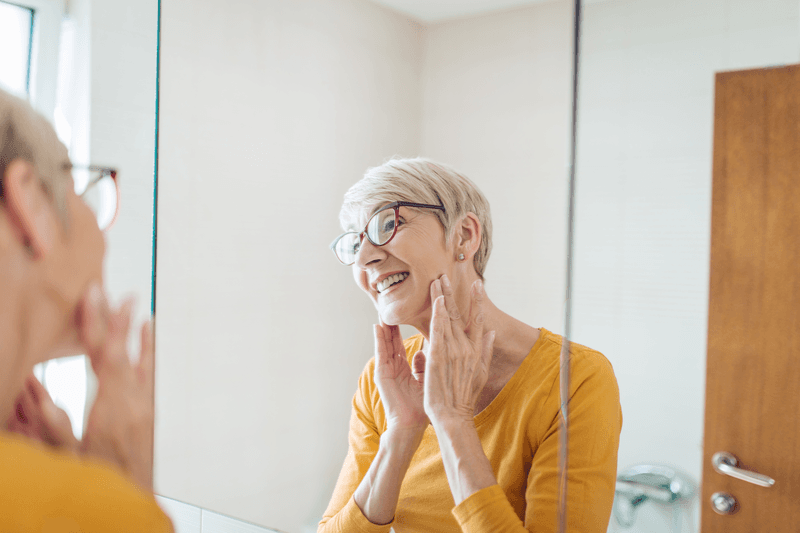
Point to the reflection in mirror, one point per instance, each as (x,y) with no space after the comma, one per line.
(268,113)
(89,67)
(643,213)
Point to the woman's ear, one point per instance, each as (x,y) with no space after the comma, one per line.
(468,236)
(30,211)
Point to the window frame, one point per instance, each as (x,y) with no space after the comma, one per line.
(45,41)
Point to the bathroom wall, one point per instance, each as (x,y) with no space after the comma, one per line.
(269,112)
(497,104)
(644,199)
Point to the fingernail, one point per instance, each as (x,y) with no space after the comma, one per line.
(446,281)
(479,286)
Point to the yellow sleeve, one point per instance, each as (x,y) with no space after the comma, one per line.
(42,491)
(595,425)
(342,514)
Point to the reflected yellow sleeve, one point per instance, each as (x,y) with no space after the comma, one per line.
(42,491)
(488,510)
(343,515)
(595,425)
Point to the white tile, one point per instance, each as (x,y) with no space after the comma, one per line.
(218,523)
(186,518)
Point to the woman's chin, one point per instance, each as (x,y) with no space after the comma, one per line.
(389,319)
(391,315)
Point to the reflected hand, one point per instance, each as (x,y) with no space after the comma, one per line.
(37,417)
(401,389)
(119,428)
(460,355)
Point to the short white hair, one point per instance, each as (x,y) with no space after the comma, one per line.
(27,135)
(422,181)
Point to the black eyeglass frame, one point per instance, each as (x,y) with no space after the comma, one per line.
(394,205)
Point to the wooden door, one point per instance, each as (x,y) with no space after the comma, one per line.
(753,372)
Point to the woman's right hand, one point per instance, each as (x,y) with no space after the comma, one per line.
(119,428)
(401,387)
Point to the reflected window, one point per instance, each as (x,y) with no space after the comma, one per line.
(66,381)
(16,31)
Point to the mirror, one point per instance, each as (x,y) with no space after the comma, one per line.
(643,202)
(90,68)
(268,113)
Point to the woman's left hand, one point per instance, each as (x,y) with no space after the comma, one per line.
(457,366)
(37,417)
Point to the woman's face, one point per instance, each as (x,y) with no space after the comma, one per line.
(416,256)
(77,261)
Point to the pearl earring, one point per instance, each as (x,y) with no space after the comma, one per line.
(461,257)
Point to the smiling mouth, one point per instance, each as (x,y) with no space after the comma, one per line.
(392,280)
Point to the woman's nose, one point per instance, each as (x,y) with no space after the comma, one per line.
(368,253)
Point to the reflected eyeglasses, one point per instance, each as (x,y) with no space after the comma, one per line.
(380,229)
(97,187)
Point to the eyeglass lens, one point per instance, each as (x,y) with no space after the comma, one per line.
(99,191)
(380,230)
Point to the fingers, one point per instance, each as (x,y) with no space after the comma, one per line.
(440,323)
(36,389)
(381,353)
(418,366)
(397,342)
(450,301)
(487,349)
(94,316)
(147,340)
(116,345)
(24,415)
(36,416)
(476,316)
(436,290)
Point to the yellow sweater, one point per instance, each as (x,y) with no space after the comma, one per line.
(42,491)
(519,433)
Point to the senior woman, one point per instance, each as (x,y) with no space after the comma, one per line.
(456,428)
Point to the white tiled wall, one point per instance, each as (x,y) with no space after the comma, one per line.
(192,519)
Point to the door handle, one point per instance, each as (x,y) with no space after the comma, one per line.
(727,464)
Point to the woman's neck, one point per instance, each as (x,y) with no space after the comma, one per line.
(513,338)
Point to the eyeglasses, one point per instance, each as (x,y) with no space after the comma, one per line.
(97,187)
(380,229)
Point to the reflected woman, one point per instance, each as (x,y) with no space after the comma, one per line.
(456,428)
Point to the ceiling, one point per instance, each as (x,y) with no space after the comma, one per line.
(439,10)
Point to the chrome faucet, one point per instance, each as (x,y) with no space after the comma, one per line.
(636,485)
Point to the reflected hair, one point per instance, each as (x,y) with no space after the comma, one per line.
(420,180)
(27,135)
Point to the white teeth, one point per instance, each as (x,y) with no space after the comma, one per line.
(391,280)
